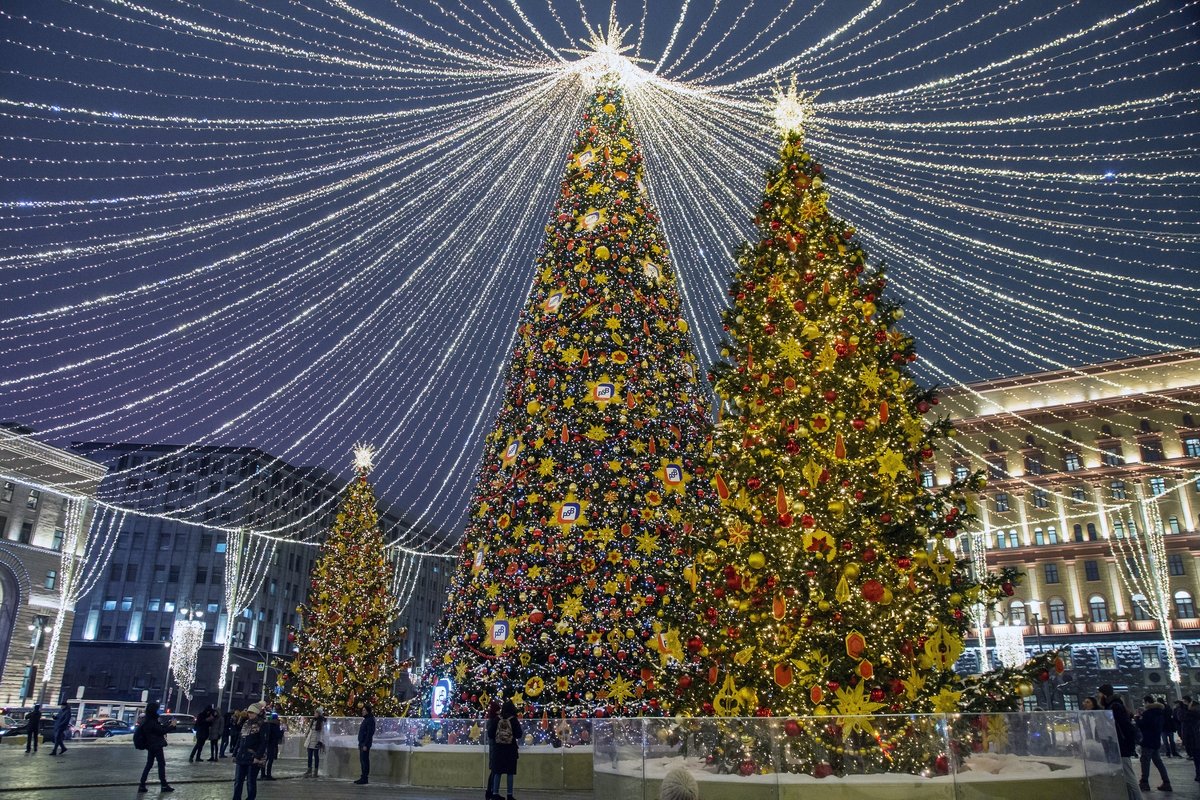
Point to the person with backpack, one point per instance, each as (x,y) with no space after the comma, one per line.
(366,737)
(151,736)
(250,753)
(62,725)
(504,733)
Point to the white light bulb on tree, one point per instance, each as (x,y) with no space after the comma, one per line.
(791,110)
(364,457)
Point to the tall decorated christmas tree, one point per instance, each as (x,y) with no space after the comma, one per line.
(595,464)
(830,587)
(348,647)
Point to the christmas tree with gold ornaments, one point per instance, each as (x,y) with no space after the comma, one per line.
(347,649)
(594,467)
(830,586)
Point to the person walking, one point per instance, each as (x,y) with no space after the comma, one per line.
(62,726)
(155,737)
(250,753)
(314,742)
(203,724)
(226,731)
(366,737)
(1126,737)
(33,728)
(215,729)
(1170,728)
(493,713)
(1190,725)
(504,733)
(1150,723)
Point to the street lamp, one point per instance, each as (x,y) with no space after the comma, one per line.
(229,702)
(166,696)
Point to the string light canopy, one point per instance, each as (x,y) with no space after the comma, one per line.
(299,227)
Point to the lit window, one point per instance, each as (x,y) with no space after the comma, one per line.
(1098,607)
(110,604)
(927,478)
(1077,495)
(1041,498)
(1106,657)
(1072,462)
(51,579)
(1193,654)
(1141,609)
(1016,613)
(7,493)
(1158,485)
(1002,502)
(1058,611)
(1038,536)
(34,498)
(1118,490)
(961,473)
(1051,535)
(1173,525)
(1150,657)
(1191,447)
(1184,607)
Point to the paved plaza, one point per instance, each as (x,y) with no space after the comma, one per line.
(108,770)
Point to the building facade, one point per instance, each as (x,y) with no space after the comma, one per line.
(163,569)
(1093,493)
(47,499)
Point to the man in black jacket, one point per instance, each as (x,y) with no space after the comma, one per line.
(156,739)
(1126,737)
(34,730)
(366,735)
(203,723)
(1150,723)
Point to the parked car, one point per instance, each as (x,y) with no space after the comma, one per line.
(18,727)
(178,723)
(104,728)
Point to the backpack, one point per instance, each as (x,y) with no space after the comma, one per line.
(139,738)
(504,732)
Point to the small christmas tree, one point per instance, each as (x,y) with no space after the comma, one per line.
(831,586)
(348,647)
(592,470)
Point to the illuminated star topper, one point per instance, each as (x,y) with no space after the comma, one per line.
(364,457)
(605,58)
(791,110)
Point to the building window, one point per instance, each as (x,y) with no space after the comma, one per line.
(1112,457)
(56,542)
(1001,502)
(1098,607)
(1144,426)
(1117,489)
(51,579)
(1058,611)
(1151,450)
(1193,654)
(1119,529)
(1078,495)
(1191,447)
(996,470)
(961,473)
(1077,531)
(1041,498)
(1184,607)
(1091,532)
(927,478)
(35,497)
(1158,485)
(1106,657)
(1072,463)
(1016,613)
(1173,525)
(6,493)
(173,575)
(1051,535)
(1141,609)
(1150,657)
(1050,573)
(115,574)
(201,574)
(1033,465)
(1175,564)
(126,603)
(26,535)
(1038,536)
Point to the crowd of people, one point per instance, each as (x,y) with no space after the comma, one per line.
(1149,733)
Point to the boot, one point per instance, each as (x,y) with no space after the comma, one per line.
(166,788)
(1166,787)
(308,773)
(142,788)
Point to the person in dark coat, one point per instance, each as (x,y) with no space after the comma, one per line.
(366,736)
(227,733)
(1150,723)
(504,755)
(1126,737)
(250,753)
(156,740)
(33,728)
(203,724)
(274,731)
(1191,726)
(1180,713)
(1170,728)
(62,726)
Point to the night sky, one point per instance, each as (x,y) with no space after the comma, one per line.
(301,226)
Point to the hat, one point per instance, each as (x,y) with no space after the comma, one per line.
(254,708)
(320,711)
(679,784)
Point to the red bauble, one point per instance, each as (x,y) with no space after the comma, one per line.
(791,728)
(747,768)
(822,771)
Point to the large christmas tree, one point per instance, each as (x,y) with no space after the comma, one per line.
(348,647)
(831,586)
(594,465)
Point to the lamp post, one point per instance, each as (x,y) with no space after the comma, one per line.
(229,702)
(166,695)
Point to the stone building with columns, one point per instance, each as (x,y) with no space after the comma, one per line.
(47,499)
(1093,493)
